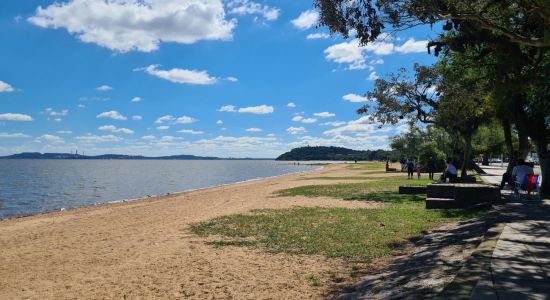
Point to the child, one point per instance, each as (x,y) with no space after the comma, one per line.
(418,171)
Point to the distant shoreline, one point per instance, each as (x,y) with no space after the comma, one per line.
(71,156)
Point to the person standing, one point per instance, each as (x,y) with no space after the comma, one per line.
(410,169)
(431,168)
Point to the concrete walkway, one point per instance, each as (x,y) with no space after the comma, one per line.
(520,261)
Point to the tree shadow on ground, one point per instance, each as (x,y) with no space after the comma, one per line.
(425,265)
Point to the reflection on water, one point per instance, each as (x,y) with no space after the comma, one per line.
(36,186)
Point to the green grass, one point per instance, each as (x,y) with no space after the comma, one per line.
(369,190)
(333,232)
(339,178)
(368,166)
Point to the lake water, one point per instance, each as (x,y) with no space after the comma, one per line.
(35,186)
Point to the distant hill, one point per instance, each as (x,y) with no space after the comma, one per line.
(334,153)
(37,155)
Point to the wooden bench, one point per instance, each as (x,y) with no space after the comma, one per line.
(460,195)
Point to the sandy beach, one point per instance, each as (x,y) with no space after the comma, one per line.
(142,249)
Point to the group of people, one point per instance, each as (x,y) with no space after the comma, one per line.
(411,167)
(519,172)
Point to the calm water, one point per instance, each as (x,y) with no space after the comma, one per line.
(36,186)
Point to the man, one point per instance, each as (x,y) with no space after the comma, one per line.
(520,171)
(450,171)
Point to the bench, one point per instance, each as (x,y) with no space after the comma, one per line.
(460,195)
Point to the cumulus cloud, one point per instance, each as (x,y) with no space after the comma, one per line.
(181,76)
(148,137)
(166,118)
(113,114)
(373,76)
(254,129)
(64,132)
(104,88)
(126,25)
(354,56)
(48,138)
(309,120)
(306,20)
(297,118)
(114,129)
(15,117)
(92,139)
(296,130)
(50,112)
(163,127)
(333,123)
(259,110)
(412,46)
(324,114)
(219,122)
(137,118)
(355,98)
(13,135)
(5,88)
(136,99)
(190,131)
(291,105)
(232,79)
(317,36)
(185,120)
(246,7)
(361,126)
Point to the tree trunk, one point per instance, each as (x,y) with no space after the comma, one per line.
(467,152)
(512,159)
(524,148)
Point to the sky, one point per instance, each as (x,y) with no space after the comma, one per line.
(227,78)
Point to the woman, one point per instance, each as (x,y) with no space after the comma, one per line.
(410,169)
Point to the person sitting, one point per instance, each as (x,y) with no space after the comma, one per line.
(520,171)
(450,171)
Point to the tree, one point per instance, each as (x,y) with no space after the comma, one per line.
(523,22)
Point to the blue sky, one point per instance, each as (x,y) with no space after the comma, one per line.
(230,78)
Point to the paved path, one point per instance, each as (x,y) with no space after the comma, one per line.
(520,262)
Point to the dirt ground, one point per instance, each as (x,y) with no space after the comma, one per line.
(142,249)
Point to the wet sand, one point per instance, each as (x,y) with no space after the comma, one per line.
(143,250)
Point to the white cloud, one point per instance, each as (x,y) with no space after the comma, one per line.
(81,106)
(355,98)
(185,120)
(163,127)
(348,53)
(227,108)
(48,138)
(361,126)
(296,130)
(148,137)
(246,7)
(324,114)
(413,46)
(166,118)
(50,112)
(354,56)
(232,79)
(181,76)
(306,20)
(333,123)
(104,88)
(126,25)
(254,129)
(15,117)
(219,122)
(297,118)
(113,114)
(259,110)
(114,129)
(5,88)
(137,118)
(64,132)
(291,105)
(13,135)
(136,99)
(317,36)
(373,76)
(190,131)
(92,139)
(309,120)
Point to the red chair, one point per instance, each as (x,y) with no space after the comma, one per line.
(530,183)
